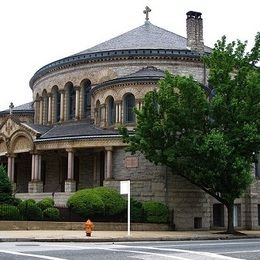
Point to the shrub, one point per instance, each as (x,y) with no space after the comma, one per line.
(86,203)
(29,210)
(9,212)
(137,211)
(16,201)
(31,201)
(45,203)
(156,212)
(113,201)
(51,214)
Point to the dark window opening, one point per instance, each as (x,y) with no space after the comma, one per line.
(129,104)
(218,215)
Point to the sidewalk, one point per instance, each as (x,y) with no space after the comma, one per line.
(116,236)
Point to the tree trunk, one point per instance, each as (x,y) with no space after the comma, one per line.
(230,228)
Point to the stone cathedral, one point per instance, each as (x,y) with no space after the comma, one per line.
(66,139)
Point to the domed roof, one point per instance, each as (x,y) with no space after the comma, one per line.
(146,36)
(145,40)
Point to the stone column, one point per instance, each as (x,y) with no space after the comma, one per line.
(45,110)
(138,104)
(66,104)
(62,105)
(70,184)
(36,111)
(33,168)
(40,110)
(116,112)
(50,109)
(77,105)
(103,115)
(109,169)
(10,170)
(81,103)
(36,185)
(120,112)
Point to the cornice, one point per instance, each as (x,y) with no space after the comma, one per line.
(124,83)
(80,59)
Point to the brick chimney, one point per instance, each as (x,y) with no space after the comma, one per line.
(194,26)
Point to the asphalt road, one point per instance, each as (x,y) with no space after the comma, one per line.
(183,250)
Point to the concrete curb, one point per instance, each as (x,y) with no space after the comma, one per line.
(126,239)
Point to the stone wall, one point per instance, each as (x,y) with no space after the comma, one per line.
(149,182)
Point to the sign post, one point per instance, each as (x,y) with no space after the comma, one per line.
(125,189)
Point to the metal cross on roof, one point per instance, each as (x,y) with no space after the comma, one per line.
(146,12)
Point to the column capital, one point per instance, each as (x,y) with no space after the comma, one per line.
(62,91)
(35,152)
(77,87)
(109,148)
(70,150)
(12,155)
(49,94)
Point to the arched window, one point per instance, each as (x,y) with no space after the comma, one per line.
(111,111)
(86,87)
(58,107)
(71,100)
(56,103)
(129,104)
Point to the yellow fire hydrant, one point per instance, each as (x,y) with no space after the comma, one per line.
(89,226)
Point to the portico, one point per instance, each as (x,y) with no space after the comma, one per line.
(50,164)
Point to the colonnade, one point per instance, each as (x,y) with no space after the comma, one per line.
(36,185)
(55,106)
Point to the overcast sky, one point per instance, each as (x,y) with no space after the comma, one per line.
(37,32)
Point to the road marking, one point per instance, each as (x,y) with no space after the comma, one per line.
(213,244)
(242,251)
(36,256)
(123,248)
(208,254)
(146,253)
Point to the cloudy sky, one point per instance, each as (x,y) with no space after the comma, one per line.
(37,32)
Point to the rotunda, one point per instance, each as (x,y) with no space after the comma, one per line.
(66,139)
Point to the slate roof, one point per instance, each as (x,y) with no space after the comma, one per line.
(145,40)
(76,130)
(24,108)
(144,74)
(146,36)
(38,128)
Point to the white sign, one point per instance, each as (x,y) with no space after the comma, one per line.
(124,187)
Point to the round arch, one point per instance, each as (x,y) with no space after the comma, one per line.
(111,111)
(128,108)
(21,142)
(85,106)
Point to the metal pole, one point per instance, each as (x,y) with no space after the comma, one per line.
(128,217)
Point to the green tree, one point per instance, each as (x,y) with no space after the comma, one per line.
(5,186)
(209,141)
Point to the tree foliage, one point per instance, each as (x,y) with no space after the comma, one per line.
(211,140)
(5,187)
